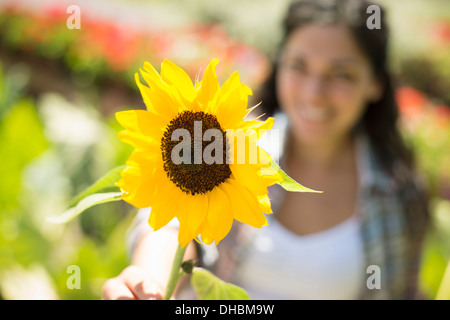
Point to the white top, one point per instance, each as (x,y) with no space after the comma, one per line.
(283,265)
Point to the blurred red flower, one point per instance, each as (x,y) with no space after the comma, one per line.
(441,32)
(411,102)
(442,115)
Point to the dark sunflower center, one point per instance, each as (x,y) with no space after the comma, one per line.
(194,151)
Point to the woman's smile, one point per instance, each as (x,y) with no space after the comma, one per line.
(313,115)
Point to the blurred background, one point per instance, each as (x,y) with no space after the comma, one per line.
(60,87)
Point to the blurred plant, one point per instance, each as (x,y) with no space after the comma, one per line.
(103,48)
(45,162)
(429,70)
(427,127)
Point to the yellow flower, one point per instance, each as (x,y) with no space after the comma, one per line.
(205,197)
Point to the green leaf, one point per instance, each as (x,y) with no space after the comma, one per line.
(209,287)
(86,203)
(290,184)
(107,181)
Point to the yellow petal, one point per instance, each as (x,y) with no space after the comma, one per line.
(152,77)
(143,129)
(245,206)
(145,93)
(231,110)
(163,97)
(174,75)
(141,178)
(163,208)
(250,176)
(142,121)
(139,141)
(193,212)
(265,204)
(144,159)
(130,179)
(232,101)
(136,190)
(220,216)
(232,83)
(209,85)
(184,235)
(206,233)
(157,100)
(260,127)
(256,177)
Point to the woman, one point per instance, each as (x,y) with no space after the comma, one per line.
(361,238)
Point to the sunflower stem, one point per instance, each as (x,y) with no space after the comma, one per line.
(175,275)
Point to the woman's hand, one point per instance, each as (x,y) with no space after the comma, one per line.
(146,278)
(133,283)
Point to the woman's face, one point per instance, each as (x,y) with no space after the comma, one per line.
(324,82)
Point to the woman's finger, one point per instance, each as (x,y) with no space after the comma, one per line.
(115,289)
(140,285)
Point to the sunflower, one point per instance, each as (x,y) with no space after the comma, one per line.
(205,197)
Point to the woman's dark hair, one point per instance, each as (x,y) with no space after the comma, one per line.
(381,117)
